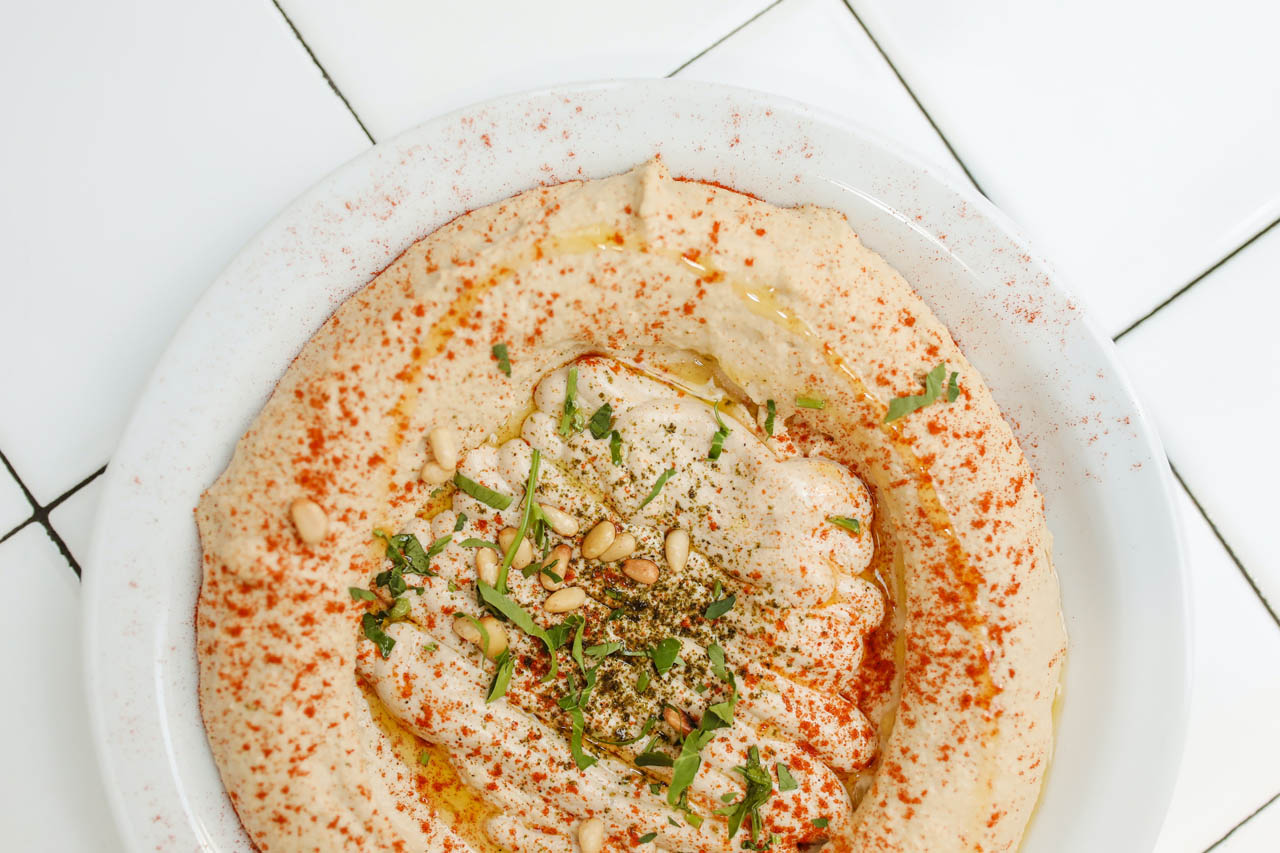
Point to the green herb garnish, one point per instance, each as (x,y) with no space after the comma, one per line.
(603,650)
(484,494)
(657,487)
(479,626)
(601,422)
(571,419)
(530,486)
(358,594)
(642,683)
(786,782)
(811,402)
(716,656)
(501,677)
(953,387)
(850,524)
(653,759)
(615,448)
(718,608)
(772,408)
(479,543)
(399,610)
(462,520)
(504,361)
(371,623)
(821,822)
(647,837)
(424,758)
(664,654)
(903,406)
(717,440)
(759,789)
(504,606)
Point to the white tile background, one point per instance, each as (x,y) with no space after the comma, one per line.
(1134,140)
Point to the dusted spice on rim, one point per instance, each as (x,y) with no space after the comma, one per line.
(633,511)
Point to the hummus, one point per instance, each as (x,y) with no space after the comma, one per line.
(627,512)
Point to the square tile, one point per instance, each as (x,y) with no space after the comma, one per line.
(51,791)
(842,72)
(74,517)
(156,139)
(400,62)
(1206,366)
(14,506)
(1232,759)
(1134,142)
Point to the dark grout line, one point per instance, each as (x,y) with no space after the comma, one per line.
(724,38)
(1250,817)
(15,530)
(1181,290)
(1222,541)
(31,499)
(77,487)
(40,514)
(323,72)
(896,73)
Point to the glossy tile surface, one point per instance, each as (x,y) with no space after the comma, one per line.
(1134,142)
(1208,367)
(51,799)
(158,137)
(1232,759)
(400,62)
(842,72)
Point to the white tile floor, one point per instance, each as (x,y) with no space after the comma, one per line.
(163,135)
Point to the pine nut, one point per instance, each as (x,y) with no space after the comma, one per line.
(569,598)
(591,835)
(444,447)
(497,637)
(559,563)
(677,548)
(677,719)
(641,571)
(561,522)
(623,546)
(524,553)
(467,631)
(487,565)
(433,474)
(309,520)
(598,539)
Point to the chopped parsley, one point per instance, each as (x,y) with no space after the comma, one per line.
(525,518)
(479,543)
(821,822)
(759,789)
(772,408)
(811,402)
(654,759)
(399,610)
(786,782)
(601,422)
(501,677)
(685,767)
(720,607)
(850,524)
(571,420)
(371,623)
(642,683)
(664,654)
(504,606)
(902,406)
(358,594)
(615,448)
(504,361)
(657,487)
(603,650)
(717,440)
(462,520)
(484,494)
(716,655)
(424,758)
(647,837)
(407,555)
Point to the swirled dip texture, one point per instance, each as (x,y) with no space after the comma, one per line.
(861,648)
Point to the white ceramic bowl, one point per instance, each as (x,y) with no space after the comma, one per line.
(1099,464)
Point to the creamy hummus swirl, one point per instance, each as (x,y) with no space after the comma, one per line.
(907,671)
